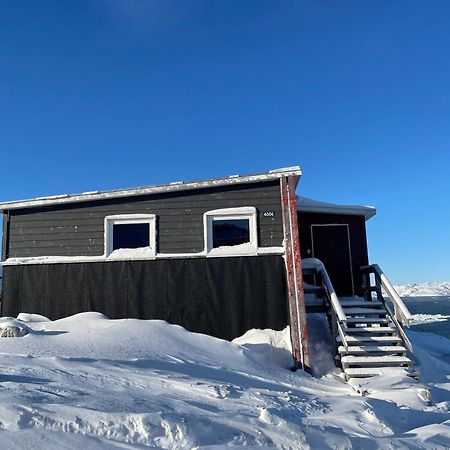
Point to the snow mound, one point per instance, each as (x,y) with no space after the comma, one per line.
(87,381)
(272,347)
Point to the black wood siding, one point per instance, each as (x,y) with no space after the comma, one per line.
(358,239)
(223,297)
(78,229)
(5,237)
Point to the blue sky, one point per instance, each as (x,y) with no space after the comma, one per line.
(101,94)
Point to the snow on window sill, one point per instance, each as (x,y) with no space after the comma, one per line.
(132,253)
(247,249)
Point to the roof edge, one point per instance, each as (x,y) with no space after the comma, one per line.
(157,189)
(305,204)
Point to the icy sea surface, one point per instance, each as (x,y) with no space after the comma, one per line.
(431,314)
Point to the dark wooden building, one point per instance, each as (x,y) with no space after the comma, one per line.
(219,256)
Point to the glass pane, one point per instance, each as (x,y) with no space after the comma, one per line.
(131,235)
(230,232)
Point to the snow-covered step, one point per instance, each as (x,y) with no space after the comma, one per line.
(368,320)
(364,372)
(352,311)
(368,349)
(359,303)
(356,340)
(372,342)
(375,361)
(390,330)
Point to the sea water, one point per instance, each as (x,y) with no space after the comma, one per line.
(431,314)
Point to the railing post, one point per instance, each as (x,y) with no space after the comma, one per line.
(397,313)
(367,286)
(334,331)
(400,313)
(378,290)
(364,284)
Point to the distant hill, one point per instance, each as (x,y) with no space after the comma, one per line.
(424,290)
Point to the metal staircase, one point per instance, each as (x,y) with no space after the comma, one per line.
(367,331)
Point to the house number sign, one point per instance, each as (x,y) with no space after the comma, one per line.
(268,214)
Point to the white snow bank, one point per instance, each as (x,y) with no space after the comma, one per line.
(418,319)
(86,381)
(432,359)
(274,347)
(424,290)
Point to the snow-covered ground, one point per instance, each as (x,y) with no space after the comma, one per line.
(424,290)
(89,382)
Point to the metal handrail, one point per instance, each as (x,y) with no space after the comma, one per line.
(318,266)
(401,312)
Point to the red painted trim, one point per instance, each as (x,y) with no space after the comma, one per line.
(296,296)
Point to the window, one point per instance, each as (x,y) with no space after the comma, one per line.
(130,235)
(231,231)
(228,232)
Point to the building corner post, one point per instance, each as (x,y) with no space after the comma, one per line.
(4,254)
(294,276)
(5,236)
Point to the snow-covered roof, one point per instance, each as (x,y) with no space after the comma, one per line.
(306,204)
(158,189)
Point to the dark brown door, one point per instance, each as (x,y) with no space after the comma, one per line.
(331,244)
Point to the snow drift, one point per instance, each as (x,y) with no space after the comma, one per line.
(86,381)
(432,289)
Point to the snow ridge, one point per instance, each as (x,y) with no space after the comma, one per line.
(429,289)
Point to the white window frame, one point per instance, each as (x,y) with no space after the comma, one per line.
(120,219)
(245,212)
